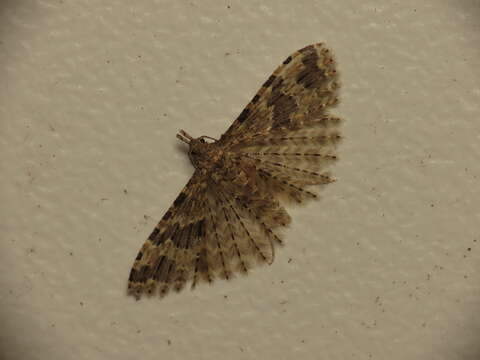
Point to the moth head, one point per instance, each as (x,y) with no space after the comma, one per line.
(198,148)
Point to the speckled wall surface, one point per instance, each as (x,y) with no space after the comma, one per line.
(384,266)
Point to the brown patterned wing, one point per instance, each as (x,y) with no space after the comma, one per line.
(289,160)
(294,96)
(209,232)
(285,130)
(238,239)
(168,258)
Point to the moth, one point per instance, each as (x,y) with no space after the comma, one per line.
(226,220)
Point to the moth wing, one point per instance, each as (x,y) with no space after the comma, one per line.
(239,239)
(285,130)
(167,258)
(207,233)
(297,93)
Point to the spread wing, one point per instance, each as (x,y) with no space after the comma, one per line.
(286,129)
(168,256)
(296,95)
(209,232)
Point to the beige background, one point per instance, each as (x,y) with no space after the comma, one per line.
(385,266)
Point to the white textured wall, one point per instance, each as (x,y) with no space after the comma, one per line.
(385,266)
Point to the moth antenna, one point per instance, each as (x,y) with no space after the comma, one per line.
(183,136)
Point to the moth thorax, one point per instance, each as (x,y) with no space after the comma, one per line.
(203,155)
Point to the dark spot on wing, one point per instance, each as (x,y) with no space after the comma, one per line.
(287,60)
(269,81)
(180,199)
(154,234)
(283,107)
(178,237)
(306,49)
(167,215)
(133,275)
(276,87)
(243,116)
(158,264)
(311,76)
(185,237)
(190,236)
(167,233)
(141,275)
(201,228)
(139,255)
(163,267)
(255,99)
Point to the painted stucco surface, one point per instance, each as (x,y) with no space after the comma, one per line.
(385,266)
